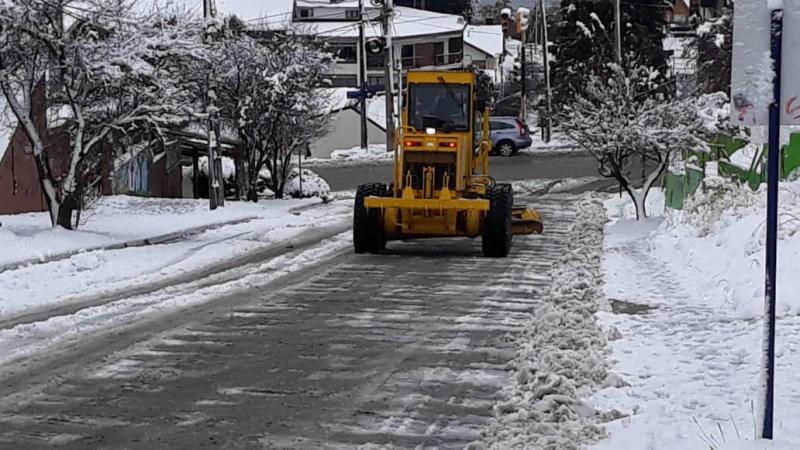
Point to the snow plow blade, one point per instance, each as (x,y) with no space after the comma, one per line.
(526,220)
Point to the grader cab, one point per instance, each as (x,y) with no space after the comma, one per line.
(442,186)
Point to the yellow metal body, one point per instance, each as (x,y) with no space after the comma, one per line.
(441,176)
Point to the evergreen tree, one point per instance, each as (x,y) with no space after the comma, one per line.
(583,33)
(714,55)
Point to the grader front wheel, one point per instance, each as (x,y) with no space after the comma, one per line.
(368,234)
(497,228)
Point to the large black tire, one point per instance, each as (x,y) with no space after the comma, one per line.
(497,231)
(368,234)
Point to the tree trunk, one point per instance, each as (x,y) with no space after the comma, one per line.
(252,195)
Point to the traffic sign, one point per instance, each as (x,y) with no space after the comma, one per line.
(752,75)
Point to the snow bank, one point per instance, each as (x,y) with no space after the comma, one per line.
(228,166)
(122,218)
(375,154)
(717,245)
(310,184)
(743,158)
(562,356)
(761,444)
(115,219)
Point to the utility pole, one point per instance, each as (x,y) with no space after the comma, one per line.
(362,75)
(618,29)
(387,22)
(212,128)
(524,78)
(523,23)
(546,58)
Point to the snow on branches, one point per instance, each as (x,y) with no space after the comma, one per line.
(270,91)
(107,70)
(622,122)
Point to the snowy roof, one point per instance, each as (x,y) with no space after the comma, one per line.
(408,22)
(7,126)
(338,100)
(328,3)
(486,38)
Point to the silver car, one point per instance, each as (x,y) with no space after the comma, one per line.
(509,135)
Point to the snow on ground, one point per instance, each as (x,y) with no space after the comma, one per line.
(562,356)
(24,340)
(558,143)
(118,219)
(744,157)
(686,299)
(375,154)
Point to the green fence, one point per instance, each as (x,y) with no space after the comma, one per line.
(679,187)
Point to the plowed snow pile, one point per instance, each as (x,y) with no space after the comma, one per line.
(563,354)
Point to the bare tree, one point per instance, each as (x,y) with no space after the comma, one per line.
(620,121)
(107,71)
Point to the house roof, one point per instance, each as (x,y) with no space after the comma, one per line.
(408,22)
(329,4)
(486,38)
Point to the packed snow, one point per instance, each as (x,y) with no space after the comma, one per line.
(374,154)
(686,295)
(247,227)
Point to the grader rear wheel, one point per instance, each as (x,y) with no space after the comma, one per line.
(497,229)
(368,234)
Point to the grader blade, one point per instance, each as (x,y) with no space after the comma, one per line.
(526,220)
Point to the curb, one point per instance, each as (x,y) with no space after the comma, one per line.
(155,240)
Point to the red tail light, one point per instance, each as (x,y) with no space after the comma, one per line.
(412,143)
(521,128)
(448,144)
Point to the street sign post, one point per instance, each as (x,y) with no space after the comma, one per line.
(765,92)
(752,75)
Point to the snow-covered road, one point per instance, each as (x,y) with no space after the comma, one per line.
(408,348)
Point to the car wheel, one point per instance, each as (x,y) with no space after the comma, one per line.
(506,148)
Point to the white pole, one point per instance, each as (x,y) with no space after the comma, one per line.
(618,27)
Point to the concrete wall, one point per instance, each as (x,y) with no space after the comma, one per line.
(345,133)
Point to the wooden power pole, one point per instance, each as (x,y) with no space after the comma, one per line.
(388,25)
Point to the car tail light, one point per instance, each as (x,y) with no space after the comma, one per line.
(523,130)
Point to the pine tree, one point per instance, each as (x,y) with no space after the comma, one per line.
(583,34)
(714,55)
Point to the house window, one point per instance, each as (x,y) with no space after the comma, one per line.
(346,54)
(407,52)
(306,13)
(438,53)
(351,14)
(456,48)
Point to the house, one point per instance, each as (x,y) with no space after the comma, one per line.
(421,39)
(141,165)
(679,13)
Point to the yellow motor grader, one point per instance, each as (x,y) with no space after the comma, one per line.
(442,186)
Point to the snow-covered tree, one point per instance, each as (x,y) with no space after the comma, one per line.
(621,122)
(107,70)
(269,89)
(715,55)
